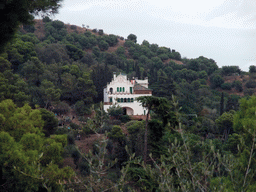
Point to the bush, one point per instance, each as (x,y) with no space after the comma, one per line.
(252,69)
(61,108)
(74,126)
(238,85)
(103,45)
(128,43)
(125,118)
(226,86)
(46,19)
(250,84)
(95,30)
(216,81)
(249,91)
(73,27)
(132,37)
(100,32)
(105,128)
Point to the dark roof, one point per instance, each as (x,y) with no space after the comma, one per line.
(139,87)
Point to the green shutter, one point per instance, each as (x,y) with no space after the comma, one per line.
(117,89)
(131,90)
(110,99)
(122,100)
(123,89)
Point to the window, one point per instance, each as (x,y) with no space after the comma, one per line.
(117,89)
(131,99)
(125,100)
(110,99)
(131,90)
(120,89)
(118,100)
(122,100)
(123,89)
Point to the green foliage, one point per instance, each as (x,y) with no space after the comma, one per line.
(132,37)
(238,86)
(115,111)
(74,52)
(230,70)
(226,86)
(252,69)
(29,160)
(250,84)
(50,122)
(225,124)
(103,45)
(216,81)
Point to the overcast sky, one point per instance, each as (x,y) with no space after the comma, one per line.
(223,30)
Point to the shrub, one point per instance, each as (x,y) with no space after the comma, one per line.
(238,85)
(95,30)
(73,27)
(46,19)
(132,37)
(103,45)
(250,84)
(216,81)
(74,126)
(125,118)
(100,32)
(249,91)
(252,69)
(61,108)
(226,86)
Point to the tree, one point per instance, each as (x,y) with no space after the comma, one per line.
(49,92)
(132,37)
(103,45)
(252,69)
(216,81)
(150,102)
(16,12)
(222,104)
(115,111)
(50,122)
(28,160)
(225,124)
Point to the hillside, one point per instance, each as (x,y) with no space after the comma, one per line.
(56,136)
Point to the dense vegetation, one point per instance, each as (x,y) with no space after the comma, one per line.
(199,138)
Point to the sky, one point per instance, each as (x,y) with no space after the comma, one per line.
(223,30)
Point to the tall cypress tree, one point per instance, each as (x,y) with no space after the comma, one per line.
(222,104)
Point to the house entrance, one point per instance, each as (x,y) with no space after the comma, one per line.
(124,111)
(127,111)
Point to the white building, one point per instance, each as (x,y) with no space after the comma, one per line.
(124,92)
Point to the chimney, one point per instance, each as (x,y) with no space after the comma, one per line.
(114,73)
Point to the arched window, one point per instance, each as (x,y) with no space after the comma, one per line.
(111,90)
(129,100)
(117,89)
(120,89)
(125,100)
(118,100)
(123,89)
(122,100)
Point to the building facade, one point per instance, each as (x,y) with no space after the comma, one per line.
(123,92)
